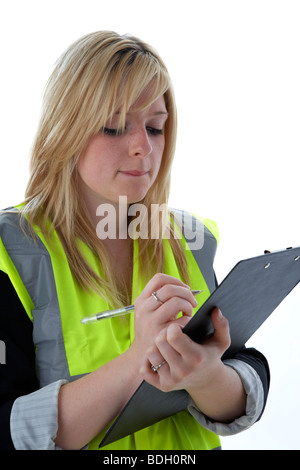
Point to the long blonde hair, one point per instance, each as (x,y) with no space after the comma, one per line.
(97,75)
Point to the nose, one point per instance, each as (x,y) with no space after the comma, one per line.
(139,143)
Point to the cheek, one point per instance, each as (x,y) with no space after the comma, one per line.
(94,173)
(158,154)
(94,160)
(86,168)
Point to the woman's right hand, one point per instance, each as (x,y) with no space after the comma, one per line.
(152,316)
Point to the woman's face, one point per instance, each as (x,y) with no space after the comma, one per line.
(125,164)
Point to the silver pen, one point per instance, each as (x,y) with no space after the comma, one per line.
(115,313)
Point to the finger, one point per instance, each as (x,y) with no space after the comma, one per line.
(182,321)
(170,307)
(152,366)
(166,312)
(157,353)
(169,311)
(221,334)
(146,301)
(150,376)
(154,357)
(159,280)
(165,347)
(168,291)
(179,342)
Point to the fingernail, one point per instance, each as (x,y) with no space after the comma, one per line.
(220,315)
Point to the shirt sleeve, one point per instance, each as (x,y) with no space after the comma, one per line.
(254,406)
(17,374)
(34,421)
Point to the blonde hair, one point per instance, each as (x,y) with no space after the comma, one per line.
(97,75)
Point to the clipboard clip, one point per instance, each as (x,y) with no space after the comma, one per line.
(266,252)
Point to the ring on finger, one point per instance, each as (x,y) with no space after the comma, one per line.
(154,294)
(155,368)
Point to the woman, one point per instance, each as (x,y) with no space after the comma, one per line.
(105,143)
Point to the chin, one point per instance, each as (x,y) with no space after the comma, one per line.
(137,197)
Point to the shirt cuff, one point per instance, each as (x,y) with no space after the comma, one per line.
(33,421)
(254,406)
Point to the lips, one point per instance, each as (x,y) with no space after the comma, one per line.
(134,172)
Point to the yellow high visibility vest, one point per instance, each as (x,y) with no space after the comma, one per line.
(67,349)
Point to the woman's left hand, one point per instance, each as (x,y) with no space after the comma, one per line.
(215,388)
(186,364)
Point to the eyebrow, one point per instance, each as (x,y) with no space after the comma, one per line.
(156,113)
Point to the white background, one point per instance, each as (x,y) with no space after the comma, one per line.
(236,72)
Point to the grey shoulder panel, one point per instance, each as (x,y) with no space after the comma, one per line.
(33,263)
(201,242)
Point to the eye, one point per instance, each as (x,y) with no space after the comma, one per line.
(111,132)
(154,131)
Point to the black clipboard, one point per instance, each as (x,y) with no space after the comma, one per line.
(247,296)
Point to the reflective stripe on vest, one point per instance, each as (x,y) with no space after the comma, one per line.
(64,347)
